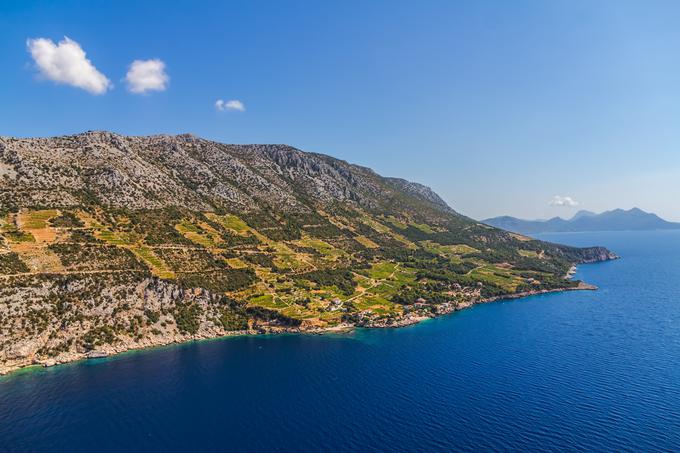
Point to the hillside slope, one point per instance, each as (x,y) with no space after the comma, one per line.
(110,242)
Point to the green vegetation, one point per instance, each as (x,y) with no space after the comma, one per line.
(35,220)
(321,273)
(425,228)
(189,260)
(152,316)
(98,336)
(496,276)
(529,253)
(11,232)
(91,257)
(381,270)
(187,317)
(260,259)
(264,314)
(230,222)
(67,219)
(11,264)
(285,258)
(157,265)
(342,279)
(221,281)
(453,250)
(398,224)
(233,320)
(201,234)
(18,236)
(366,242)
(323,248)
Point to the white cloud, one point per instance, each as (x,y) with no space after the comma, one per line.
(147,75)
(230,105)
(558,200)
(67,63)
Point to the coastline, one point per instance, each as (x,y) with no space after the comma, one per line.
(443,310)
(448,308)
(116,350)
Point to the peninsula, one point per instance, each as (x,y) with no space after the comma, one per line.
(110,243)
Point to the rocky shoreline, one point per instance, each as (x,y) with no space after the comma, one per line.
(450,307)
(407,320)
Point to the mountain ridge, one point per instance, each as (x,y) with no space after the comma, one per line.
(240,165)
(613,220)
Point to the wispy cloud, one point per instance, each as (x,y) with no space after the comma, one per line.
(558,200)
(147,75)
(67,63)
(233,104)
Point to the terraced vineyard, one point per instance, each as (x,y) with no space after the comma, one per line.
(109,243)
(312,279)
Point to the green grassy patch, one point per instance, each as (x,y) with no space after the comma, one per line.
(120,238)
(447,250)
(322,247)
(377,226)
(528,253)
(12,233)
(380,271)
(425,228)
(17,236)
(230,222)
(185,226)
(36,220)
(396,223)
(366,242)
(202,235)
(503,278)
(236,263)
(285,258)
(264,300)
(157,265)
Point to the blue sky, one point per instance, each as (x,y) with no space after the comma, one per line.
(498,106)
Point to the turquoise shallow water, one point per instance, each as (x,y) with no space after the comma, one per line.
(582,371)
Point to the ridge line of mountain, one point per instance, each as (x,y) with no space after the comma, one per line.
(613,220)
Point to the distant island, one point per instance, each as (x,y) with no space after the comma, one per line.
(615,220)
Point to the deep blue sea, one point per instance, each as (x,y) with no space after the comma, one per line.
(581,371)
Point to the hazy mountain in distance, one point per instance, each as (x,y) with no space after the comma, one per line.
(615,220)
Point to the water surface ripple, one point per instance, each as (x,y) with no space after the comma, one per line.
(579,371)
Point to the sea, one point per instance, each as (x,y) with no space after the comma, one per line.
(576,371)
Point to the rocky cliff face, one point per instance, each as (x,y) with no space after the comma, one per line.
(597,254)
(137,311)
(161,171)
